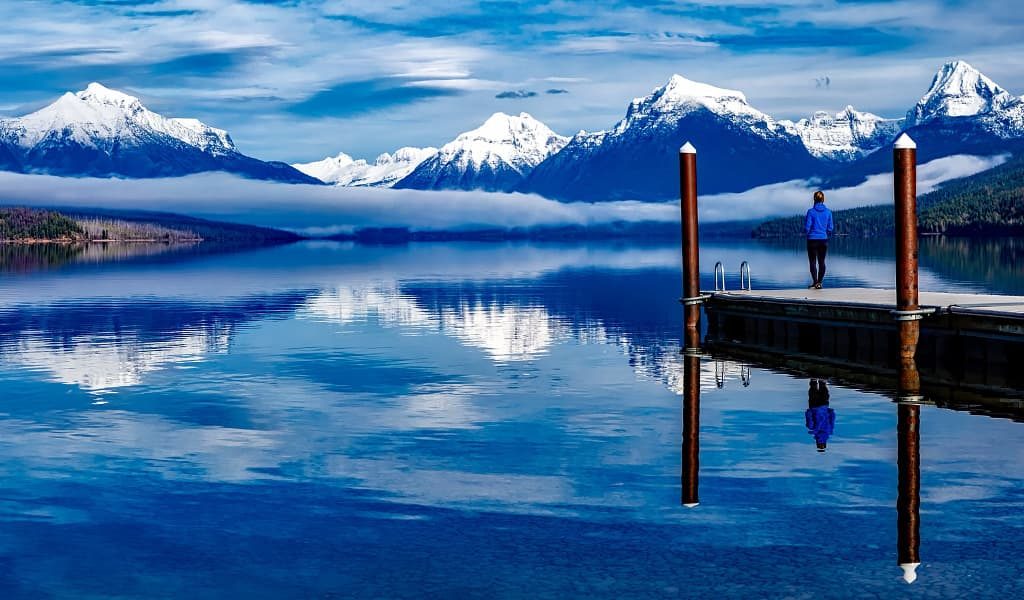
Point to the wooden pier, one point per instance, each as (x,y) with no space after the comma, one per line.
(970,340)
(920,342)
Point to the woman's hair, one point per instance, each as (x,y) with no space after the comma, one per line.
(819,196)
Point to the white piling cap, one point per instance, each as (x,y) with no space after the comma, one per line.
(909,571)
(904,143)
(687,149)
(691,504)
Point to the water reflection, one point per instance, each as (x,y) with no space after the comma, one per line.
(103,345)
(908,436)
(908,504)
(420,403)
(33,257)
(819,417)
(820,422)
(691,419)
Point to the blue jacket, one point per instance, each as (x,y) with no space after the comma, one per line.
(821,421)
(818,223)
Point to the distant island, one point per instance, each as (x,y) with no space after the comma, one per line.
(990,203)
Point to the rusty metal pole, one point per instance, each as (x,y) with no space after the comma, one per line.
(905,203)
(691,252)
(691,421)
(908,503)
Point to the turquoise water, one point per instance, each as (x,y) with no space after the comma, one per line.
(463,420)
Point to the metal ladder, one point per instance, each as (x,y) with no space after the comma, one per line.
(745,281)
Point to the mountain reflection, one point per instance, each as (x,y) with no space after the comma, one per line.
(505,332)
(106,344)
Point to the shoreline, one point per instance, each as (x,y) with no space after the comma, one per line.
(67,242)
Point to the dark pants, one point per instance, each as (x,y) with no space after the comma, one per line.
(816,251)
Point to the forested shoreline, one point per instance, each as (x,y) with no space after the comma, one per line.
(33,226)
(990,203)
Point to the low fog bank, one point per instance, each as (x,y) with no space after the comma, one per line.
(794,197)
(327,210)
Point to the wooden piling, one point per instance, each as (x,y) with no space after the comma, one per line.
(905,202)
(691,252)
(905,207)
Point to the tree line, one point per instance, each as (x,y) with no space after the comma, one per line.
(22,224)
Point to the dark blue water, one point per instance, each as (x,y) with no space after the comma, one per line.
(463,420)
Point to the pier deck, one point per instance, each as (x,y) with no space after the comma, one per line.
(880,299)
(975,340)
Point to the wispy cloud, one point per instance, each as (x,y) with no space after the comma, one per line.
(266,69)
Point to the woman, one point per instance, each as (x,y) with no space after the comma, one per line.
(817,227)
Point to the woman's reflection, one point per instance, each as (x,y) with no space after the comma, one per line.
(820,418)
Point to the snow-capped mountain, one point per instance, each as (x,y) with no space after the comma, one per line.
(959,90)
(103,132)
(740,147)
(846,135)
(963,112)
(385,171)
(496,156)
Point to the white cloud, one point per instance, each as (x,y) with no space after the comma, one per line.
(323,210)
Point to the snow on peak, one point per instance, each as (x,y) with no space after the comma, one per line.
(328,170)
(959,90)
(406,154)
(501,128)
(845,135)
(520,141)
(679,87)
(681,96)
(97,93)
(100,117)
(383,172)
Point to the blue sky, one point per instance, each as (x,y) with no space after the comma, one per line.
(301,79)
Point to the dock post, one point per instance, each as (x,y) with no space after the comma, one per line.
(691,251)
(690,469)
(905,202)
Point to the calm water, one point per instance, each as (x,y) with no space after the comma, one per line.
(445,420)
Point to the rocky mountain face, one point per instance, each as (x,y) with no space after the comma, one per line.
(740,147)
(845,136)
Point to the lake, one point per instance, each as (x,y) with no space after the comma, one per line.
(327,419)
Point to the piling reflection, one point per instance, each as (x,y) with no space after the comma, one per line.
(691,420)
(820,420)
(908,503)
